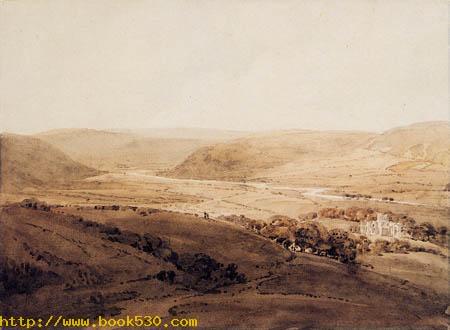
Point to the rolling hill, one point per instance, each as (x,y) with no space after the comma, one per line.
(275,153)
(429,141)
(246,157)
(143,149)
(29,162)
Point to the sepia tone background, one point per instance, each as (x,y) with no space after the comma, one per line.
(250,164)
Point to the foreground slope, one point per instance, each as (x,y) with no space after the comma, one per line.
(30,162)
(116,261)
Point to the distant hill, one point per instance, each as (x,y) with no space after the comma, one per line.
(241,158)
(187,133)
(109,150)
(255,155)
(29,162)
(429,141)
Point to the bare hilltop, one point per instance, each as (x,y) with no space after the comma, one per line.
(30,162)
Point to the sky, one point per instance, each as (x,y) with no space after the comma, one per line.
(228,64)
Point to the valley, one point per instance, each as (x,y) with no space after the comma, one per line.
(276,229)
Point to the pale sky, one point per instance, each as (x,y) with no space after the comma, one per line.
(243,65)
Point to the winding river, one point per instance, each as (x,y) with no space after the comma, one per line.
(307,192)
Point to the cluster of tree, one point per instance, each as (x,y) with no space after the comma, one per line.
(311,237)
(426,232)
(166,276)
(107,207)
(198,271)
(356,214)
(242,220)
(357,196)
(307,236)
(397,246)
(147,243)
(141,210)
(335,243)
(20,278)
(32,203)
(205,273)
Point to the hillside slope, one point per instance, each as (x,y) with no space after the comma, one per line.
(429,141)
(242,158)
(29,162)
(304,152)
(122,263)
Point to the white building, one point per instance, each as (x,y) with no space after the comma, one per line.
(381,227)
